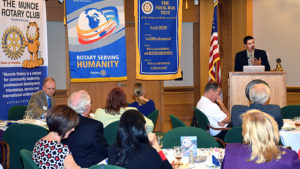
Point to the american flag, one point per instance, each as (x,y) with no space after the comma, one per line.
(214,59)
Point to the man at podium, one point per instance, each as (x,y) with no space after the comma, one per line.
(250,56)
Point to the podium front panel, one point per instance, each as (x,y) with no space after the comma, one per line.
(239,80)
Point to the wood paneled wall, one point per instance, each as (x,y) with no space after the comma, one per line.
(293,95)
(178,101)
(293,98)
(205,22)
(225,41)
(242,24)
(55,11)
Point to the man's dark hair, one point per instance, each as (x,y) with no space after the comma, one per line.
(211,85)
(246,38)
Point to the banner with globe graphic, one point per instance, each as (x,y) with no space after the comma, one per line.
(158,39)
(23,51)
(96,35)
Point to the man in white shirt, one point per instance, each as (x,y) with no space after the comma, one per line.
(213,107)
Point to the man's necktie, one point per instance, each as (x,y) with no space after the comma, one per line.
(49,102)
(250,58)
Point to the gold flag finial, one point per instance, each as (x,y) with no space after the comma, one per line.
(216,2)
(65,19)
(186,4)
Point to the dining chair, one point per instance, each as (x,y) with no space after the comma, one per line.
(203,121)
(21,136)
(234,135)
(4,154)
(290,111)
(173,137)
(176,122)
(16,112)
(105,167)
(153,116)
(110,132)
(26,157)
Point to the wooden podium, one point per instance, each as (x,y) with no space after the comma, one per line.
(239,80)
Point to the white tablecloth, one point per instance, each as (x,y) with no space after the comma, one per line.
(203,165)
(290,134)
(41,123)
(291,138)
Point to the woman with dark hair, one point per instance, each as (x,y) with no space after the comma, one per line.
(144,105)
(49,152)
(116,105)
(135,149)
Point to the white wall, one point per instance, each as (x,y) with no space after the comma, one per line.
(57,53)
(186,59)
(276,26)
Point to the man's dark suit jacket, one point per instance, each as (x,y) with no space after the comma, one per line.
(87,143)
(271,109)
(241,59)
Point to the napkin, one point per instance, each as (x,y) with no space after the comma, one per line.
(213,158)
(288,123)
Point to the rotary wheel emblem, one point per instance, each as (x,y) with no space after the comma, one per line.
(103,73)
(147,7)
(13,43)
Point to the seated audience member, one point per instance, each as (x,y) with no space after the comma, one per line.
(42,100)
(134,149)
(49,152)
(87,142)
(213,107)
(260,150)
(259,95)
(144,105)
(116,105)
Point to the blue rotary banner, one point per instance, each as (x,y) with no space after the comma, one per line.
(96,34)
(23,51)
(158,39)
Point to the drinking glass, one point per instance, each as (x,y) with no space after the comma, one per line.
(160,140)
(297,121)
(28,115)
(178,152)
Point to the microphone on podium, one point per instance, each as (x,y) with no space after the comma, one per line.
(278,65)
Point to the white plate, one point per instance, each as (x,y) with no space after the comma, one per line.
(3,124)
(288,128)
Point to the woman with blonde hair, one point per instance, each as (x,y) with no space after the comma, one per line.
(260,148)
(144,105)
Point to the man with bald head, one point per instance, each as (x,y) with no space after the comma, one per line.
(43,100)
(259,95)
(87,143)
